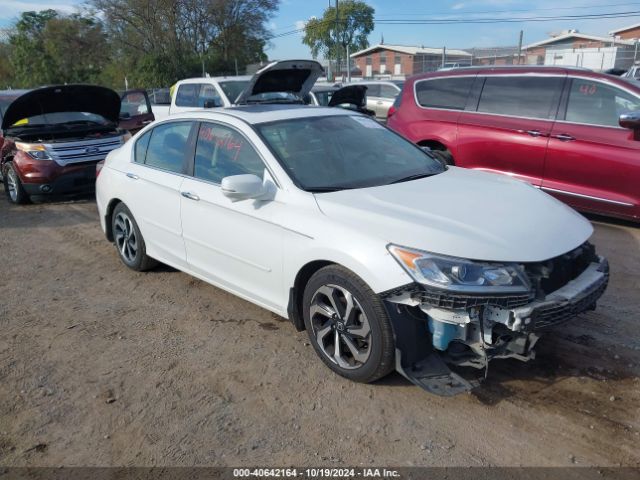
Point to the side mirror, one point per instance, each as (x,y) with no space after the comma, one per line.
(630,120)
(212,104)
(242,187)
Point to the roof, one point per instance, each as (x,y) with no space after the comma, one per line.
(410,50)
(582,36)
(624,29)
(254,114)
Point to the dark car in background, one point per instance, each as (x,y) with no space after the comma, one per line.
(572,132)
(53,137)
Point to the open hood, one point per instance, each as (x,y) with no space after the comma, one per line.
(352,94)
(63,98)
(287,76)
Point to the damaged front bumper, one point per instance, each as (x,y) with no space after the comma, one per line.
(434,329)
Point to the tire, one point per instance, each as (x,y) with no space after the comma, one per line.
(128,240)
(444,156)
(13,186)
(367,328)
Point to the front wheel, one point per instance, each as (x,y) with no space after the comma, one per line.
(13,186)
(129,241)
(348,325)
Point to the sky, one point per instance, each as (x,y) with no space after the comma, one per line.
(293,13)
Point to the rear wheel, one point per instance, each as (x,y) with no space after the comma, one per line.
(348,325)
(129,241)
(13,186)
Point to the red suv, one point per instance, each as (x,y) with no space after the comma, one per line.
(571,132)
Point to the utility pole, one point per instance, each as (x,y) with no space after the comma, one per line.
(520,46)
(444,56)
(338,44)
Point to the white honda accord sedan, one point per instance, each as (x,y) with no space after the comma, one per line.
(388,258)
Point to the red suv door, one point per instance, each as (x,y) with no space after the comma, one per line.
(505,129)
(593,163)
(135,111)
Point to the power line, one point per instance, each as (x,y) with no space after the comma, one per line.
(465,21)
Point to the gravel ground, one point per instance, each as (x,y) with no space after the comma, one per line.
(100,365)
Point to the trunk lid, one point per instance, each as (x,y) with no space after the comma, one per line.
(288,76)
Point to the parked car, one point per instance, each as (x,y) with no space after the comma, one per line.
(207,92)
(351,96)
(381,95)
(633,72)
(53,137)
(385,256)
(571,132)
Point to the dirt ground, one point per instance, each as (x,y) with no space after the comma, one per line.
(100,365)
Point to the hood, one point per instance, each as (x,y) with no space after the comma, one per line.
(351,94)
(63,98)
(463,213)
(287,76)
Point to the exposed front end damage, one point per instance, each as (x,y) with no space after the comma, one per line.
(435,328)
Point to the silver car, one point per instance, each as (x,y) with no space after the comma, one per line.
(381,95)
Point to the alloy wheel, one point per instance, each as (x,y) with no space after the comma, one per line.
(125,237)
(340,326)
(12,184)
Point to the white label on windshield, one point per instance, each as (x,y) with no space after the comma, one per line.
(367,122)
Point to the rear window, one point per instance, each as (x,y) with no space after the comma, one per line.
(232,89)
(197,95)
(448,93)
(532,97)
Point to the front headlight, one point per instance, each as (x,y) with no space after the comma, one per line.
(458,274)
(35,150)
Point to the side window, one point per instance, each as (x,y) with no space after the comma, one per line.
(387,91)
(187,95)
(373,90)
(167,146)
(533,97)
(142,144)
(594,103)
(209,96)
(449,93)
(222,152)
(134,103)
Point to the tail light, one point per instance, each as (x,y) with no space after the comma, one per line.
(99,166)
(391,112)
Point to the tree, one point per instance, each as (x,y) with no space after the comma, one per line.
(165,40)
(330,37)
(31,64)
(48,48)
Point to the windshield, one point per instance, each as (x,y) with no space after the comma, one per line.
(233,88)
(346,151)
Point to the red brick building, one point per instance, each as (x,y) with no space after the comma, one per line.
(632,32)
(403,60)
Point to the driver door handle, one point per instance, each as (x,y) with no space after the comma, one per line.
(133,176)
(190,196)
(534,133)
(563,137)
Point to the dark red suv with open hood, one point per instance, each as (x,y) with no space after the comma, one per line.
(53,137)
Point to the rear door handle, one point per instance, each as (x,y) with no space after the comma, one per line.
(190,196)
(133,176)
(563,137)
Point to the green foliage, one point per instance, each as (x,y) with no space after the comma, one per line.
(151,43)
(329,37)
